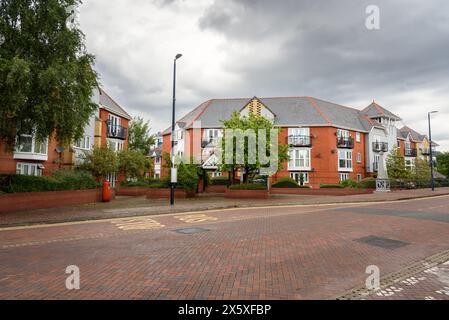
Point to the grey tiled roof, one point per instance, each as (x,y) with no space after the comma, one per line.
(289,111)
(374,110)
(109,104)
(416,136)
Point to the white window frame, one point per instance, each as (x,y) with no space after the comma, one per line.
(348,160)
(343,134)
(112,178)
(358,137)
(296,157)
(302,131)
(32,169)
(359,157)
(344,177)
(296,176)
(359,177)
(84,143)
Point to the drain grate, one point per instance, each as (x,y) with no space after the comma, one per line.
(191,230)
(384,243)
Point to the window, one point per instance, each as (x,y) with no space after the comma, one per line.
(297,177)
(216,174)
(83,143)
(179,135)
(299,131)
(158,160)
(358,137)
(299,158)
(112,178)
(27,143)
(116,145)
(344,177)
(29,169)
(344,160)
(399,144)
(359,177)
(359,157)
(342,133)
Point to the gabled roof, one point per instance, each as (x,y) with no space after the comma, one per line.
(416,136)
(374,111)
(110,105)
(289,111)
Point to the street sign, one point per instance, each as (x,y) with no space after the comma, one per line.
(174,175)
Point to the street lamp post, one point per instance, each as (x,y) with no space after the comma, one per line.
(431,150)
(172,185)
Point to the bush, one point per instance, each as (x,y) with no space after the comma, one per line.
(248,187)
(142,182)
(219,181)
(349,184)
(61,180)
(331,186)
(286,183)
(367,183)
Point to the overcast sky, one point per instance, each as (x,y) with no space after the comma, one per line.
(245,48)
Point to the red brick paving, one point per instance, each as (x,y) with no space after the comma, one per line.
(269,253)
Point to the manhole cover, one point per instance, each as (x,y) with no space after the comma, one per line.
(382,242)
(191,230)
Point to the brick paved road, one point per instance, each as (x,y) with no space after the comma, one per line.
(307,252)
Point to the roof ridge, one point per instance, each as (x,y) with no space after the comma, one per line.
(319,110)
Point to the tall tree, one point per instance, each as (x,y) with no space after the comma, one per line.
(253,123)
(396,165)
(46,75)
(140,138)
(443,163)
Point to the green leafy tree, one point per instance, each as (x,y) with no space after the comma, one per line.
(46,78)
(132,163)
(101,162)
(253,123)
(421,171)
(139,136)
(443,163)
(396,165)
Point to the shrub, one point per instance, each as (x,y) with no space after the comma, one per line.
(331,186)
(219,181)
(349,184)
(62,180)
(286,183)
(367,183)
(248,187)
(187,177)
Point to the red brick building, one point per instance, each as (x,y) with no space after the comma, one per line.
(108,125)
(328,143)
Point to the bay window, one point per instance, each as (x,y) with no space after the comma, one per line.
(30,148)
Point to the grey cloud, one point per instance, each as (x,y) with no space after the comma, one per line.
(293,48)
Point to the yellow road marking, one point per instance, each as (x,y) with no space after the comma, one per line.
(137,224)
(196,218)
(350,204)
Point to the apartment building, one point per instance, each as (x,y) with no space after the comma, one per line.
(107,125)
(328,142)
(155,155)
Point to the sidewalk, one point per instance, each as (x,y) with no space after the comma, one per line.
(140,206)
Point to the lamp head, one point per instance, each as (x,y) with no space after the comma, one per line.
(178,56)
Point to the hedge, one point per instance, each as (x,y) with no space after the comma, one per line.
(286,183)
(61,180)
(248,187)
(367,183)
(331,186)
(219,181)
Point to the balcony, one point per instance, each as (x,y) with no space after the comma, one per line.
(299,141)
(211,142)
(345,143)
(410,152)
(375,166)
(116,131)
(380,147)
